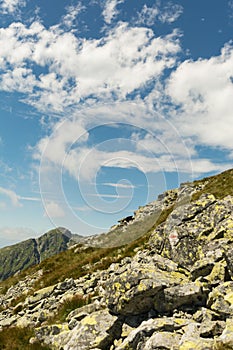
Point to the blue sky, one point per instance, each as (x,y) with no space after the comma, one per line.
(106,104)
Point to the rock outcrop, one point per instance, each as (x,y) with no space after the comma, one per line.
(174,292)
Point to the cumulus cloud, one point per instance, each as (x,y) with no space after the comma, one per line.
(10,6)
(110,10)
(83,162)
(203,91)
(124,60)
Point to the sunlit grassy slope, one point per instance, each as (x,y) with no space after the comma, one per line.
(81,260)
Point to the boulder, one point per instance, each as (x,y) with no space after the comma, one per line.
(187,296)
(97,330)
(133,291)
(220,300)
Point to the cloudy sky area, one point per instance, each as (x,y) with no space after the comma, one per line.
(106,104)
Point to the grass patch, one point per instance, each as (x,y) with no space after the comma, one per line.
(78,261)
(16,338)
(69,305)
(219,185)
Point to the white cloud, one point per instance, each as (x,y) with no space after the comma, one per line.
(158,148)
(83,162)
(119,185)
(168,141)
(203,90)
(110,10)
(170,13)
(14,198)
(72,12)
(10,6)
(18,79)
(31,199)
(150,15)
(114,66)
(53,210)
(116,196)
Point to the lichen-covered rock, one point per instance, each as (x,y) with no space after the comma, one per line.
(173,292)
(197,344)
(162,340)
(220,300)
(187,296)
(225,341)
(133,291)
(211,329)
(153,326)
(188,233)
(97,330)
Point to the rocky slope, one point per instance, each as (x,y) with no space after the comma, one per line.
(20,256)
(171,289)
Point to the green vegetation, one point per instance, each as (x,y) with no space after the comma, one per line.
(69,305)
(219,185)
(81,260)
(18,339)
(17,257)
(78,261)
(25,254)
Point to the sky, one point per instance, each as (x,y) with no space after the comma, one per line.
(106,104)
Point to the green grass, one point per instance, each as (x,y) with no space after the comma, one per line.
(18,339)
(77,262)
(219,185)
(87,260)
(69,305)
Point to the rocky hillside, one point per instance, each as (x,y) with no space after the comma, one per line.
(18,257)
(171,288)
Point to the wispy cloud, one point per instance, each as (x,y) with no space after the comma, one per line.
(70,18)
(11,6)
(14,198)
(110,10)
(107,195)
(230,5)
(166,14)
(170,13)
(31,199)
(118,185)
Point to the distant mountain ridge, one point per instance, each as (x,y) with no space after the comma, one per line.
(25,254)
